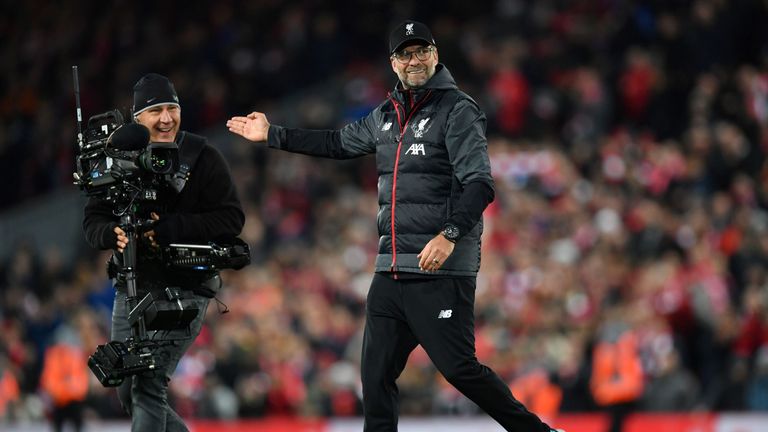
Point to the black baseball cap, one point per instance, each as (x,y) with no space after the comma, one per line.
(408,31)
(152,90)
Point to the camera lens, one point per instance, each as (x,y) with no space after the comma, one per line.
(160,158)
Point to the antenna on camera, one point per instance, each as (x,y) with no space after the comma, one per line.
(78,110)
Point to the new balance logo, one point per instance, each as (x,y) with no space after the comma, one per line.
(416,149)
(445,313)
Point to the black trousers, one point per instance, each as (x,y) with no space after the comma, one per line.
(439,315)
(72,412)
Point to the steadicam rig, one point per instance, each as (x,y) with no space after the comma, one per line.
(117,163)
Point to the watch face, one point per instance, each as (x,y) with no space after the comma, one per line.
(451,232)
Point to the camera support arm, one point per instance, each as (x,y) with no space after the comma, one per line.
(139,330)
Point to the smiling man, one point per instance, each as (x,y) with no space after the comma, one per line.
(434,183)
(414,57)
(156,106)
(201,209)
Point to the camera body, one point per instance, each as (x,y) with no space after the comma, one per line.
(114,152)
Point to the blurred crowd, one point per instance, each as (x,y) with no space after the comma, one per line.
(625,258)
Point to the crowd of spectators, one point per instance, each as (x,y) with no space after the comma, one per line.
(625,262)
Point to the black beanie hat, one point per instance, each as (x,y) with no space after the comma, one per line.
(152,90)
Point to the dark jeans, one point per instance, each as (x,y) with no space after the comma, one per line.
(145,398)
(439,315)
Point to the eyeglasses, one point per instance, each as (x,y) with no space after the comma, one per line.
(422,54)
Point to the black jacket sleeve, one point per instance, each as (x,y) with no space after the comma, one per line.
(473,201)
(99,223)
(354,140)
(468,150)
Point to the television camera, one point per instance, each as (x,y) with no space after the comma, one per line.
(113,155)
(116,162)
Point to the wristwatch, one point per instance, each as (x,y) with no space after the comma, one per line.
(450,232)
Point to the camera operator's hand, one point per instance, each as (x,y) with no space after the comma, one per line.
(254,126)
(122,239)
(150,235)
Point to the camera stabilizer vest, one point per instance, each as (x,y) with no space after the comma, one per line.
(190,147)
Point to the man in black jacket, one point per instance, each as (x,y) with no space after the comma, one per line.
(206,209)
(434,183)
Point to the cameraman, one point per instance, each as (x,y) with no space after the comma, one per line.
(207,209)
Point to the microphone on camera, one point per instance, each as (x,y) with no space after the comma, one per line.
(130,137)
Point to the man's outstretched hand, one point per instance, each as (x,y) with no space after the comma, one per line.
(253,127)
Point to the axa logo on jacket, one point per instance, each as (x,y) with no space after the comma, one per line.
(416,150)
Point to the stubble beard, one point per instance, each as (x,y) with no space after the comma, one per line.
(416,84)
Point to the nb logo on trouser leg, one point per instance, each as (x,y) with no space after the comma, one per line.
(445,313)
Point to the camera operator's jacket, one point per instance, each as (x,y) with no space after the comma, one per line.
(206,210)
(430,148)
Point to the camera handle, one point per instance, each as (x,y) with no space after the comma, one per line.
(139,330)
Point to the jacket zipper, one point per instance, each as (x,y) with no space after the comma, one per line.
(403,128)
